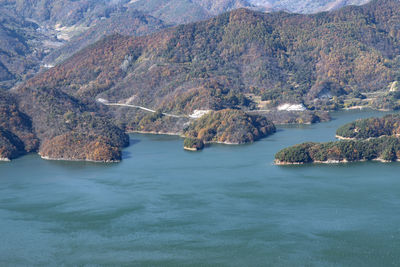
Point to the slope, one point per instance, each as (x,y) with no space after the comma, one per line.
(319,60)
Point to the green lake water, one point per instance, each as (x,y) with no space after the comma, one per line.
(224,206)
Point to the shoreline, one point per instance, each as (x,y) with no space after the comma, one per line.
(78,160)
(224,143)
(155,133)
(285,163)
(182,136)
(193,149)
(344,161)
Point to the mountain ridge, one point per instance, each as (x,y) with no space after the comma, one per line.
(183,52)
(58,29)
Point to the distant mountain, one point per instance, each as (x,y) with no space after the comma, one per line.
(182,11)
(19,49)
(63,12)
(219,6)
(130,23)
(37,34)
(305,6)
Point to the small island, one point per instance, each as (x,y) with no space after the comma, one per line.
(362,140)
(193,144)
(228,126)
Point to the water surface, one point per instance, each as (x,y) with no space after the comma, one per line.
(224,206)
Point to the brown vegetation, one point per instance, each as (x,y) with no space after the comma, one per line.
(229,126)
(72,146)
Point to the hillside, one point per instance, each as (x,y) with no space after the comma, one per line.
(56,126)
(370,128)
(320,60)
(47,31)
(20,49)
(68,128)
(36,34)
(16,134)
(229,126)
(129,22)
(63,12)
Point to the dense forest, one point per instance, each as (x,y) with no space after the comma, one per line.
(383,148)
(35,34)
(319,60)
(57,126)
(372,127)
(229,126)
(367,139)
(16,134)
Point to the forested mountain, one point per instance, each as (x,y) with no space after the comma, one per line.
(312,59)
(45,32)
(63,12)
(129,23)
(20,49)
(57,126)
(36,34)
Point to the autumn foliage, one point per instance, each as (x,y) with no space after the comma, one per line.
(80,147)
(229,126)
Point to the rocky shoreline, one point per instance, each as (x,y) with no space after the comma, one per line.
(286,163)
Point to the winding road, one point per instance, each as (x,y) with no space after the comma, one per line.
(105,102)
